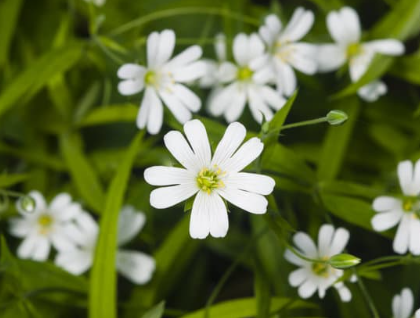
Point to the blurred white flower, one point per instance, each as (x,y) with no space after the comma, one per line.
(135,266)
(417,313)
(405,212)
(247,84)
(344,27)
(217,71)
(162,81)
(402,304)
(210,179)
(45,226)
(312,276)
(98,3)
(285,52)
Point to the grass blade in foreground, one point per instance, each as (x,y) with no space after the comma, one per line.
(102,294)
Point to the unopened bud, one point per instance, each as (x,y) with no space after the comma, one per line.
(343,261)
(26,203)
(336,117)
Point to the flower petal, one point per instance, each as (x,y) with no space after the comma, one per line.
(165,47)
(236,107)
(177,108)
(74,261)
(385,203)
(372,91)
(406,304)
(256,47)
(61,241)
(325,236)
(384,221)
(257,105)
(222,99)
(286,78)
(135,266)
(273,98)
(387,46)
(187,97)
(20,227)
(359,64)
(344,292)
(330,57)
(189,72)
(246,154)
(344,26)
(304,58)
(307,289)
(164,176)
(130,86)
(405,176)
(251,182)
(234,135)
(220,46)
(166,197)
(143,114)
(402,237)
(240,49)
(305,244)
(298,277)
(299,25)
(130,223)
(248,201)
(187,56)
(40,204)
(339,241)
(197,136)
(152,48)
(41,249)
(414,236)
(292,258)
(130,71)
(179,148)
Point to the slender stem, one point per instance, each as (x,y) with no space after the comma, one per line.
(182,11)
(305,123)
(111,55)
(305,258)
(380,266)
(365,293)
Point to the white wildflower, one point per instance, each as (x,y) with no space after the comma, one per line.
(402,304)
(210,179)
(162,81)
(404,212)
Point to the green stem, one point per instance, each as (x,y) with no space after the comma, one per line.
(182,11)
(305,258)
(107,52)
(305,123)
(368,299)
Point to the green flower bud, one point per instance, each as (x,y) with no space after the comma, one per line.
(343,261)
(26,203)
(336,117)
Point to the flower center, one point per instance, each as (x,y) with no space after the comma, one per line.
(45,221)
(210,179)
(321,269)
(150,78)
(353,50)
(244,73)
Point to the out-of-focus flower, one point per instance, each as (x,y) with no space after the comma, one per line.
(313,276)
(285,53)
(98,3)
(402,304)
(46,225)
(210,179)
(247,84)
(162,80)
(135,266)
(344,27)
(404,212)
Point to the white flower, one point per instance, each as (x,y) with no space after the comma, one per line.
(417,313)
(250,85)
(219,71)
(210,179)
(46,225)
(285,52)
(402,304)
(98,3)
(311,276)
(405,212)
(344,27)
(162,81)
(135,266)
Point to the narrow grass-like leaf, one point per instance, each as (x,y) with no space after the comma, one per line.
(82,172)
(102,293)
(30,81)
(7,180)
(407,68)
(336,141)
(155,312)
(9,12)
(262,292)
(111,114)
(246,307)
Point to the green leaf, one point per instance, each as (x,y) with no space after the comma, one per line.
(110,114)
(30,81)
(246,307)
(9,12)
(407,68)
(349,189)
(336,141)
(351,210)
(262,292)
(401,23)
(102,293)
(83,175)
(7,180)
(155,312)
